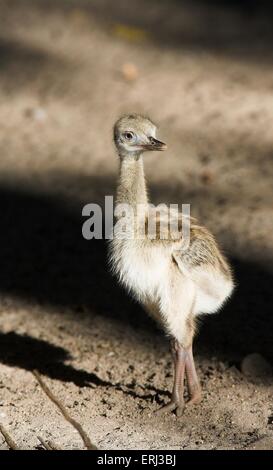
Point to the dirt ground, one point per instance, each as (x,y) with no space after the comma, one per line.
(204,74)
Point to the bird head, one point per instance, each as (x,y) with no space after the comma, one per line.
(135,134)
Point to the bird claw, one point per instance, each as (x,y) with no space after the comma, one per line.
(195,399)
(179,407)
(195,393)
(172,406)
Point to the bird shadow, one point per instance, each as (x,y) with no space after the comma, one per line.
(31,354)
(45,259)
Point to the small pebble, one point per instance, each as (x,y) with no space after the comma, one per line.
(206,176)
(129,72)
(37,114)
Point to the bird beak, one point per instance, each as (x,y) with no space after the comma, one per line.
(155,144)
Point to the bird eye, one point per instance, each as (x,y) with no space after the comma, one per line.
(128,135)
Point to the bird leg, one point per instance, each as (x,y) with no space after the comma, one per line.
(192,379)
(177,400)
(183,362)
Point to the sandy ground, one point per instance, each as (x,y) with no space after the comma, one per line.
(205,75)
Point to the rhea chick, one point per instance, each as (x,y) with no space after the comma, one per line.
(174,285)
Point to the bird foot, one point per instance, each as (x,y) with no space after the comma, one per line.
(196,395)
(195,399)
(178,407)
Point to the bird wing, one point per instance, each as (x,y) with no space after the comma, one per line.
(191,245)
(202,254)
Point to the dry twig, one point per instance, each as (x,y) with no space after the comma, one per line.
(44,444)
(53,446)
(48,445)
(10,442)
(88,444)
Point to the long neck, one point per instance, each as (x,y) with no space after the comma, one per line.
(132,187)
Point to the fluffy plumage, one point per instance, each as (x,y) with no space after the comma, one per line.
(173,283)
